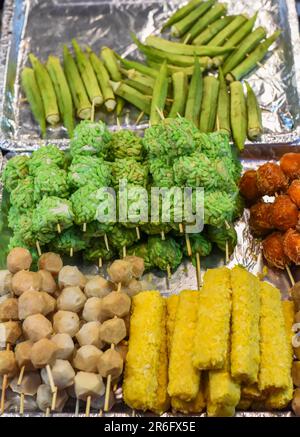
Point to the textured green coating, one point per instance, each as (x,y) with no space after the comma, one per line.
(98,250)
(22,197)
(50,181)
(85,169)
(122,237)
(164,254)
(90,138)
(218,208)
(222,235)
(162,173)
(126,144)
(15,170)
(131,170)
(46,155)
(71,238)
(33,95)
(199,244)
(84,203)
(141,250)
(97,229)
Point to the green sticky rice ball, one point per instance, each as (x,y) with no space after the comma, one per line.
(24,229)
(85,203)
(164,253)
(162,174)
(97,250)
(85,169)
(96,229)
(122,237)
(13,217)
(45,156)
(130,170)
(50,181)
(218,208)
(221,235)
(126,144)
(15,170)
(90,138)
(22,197)
(70,238)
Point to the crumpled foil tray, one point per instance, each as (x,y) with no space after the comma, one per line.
(42,26)
(247,253)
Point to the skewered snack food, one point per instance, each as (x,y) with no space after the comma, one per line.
(290,165)
(162,173)
(84,169)
(49,155)
(63,374)
(248,186)
(126,144)
(88,384)
(291,245)
(218,208)
(84,203)
(222,237)
(164,254)
(51,262)
(270,179)
(120,271)
(284,213)
(90,138)
(294,192)
(29,303)
(9,310)
(36,327)
(64,346)
(15,170)
(71,299)
(48,283)
(113,331)
(10,332)
(44,398)
(116,304)
(66,322)
(43,353)
(71,276)
(98,287)
(273,251)
(110,363)
(131,170)
(93,310)
(86,358)
(122,237)
(23,355)
(259,220)
(22,197)
(89,334)
(5,282)
(18,259)
(8,364)
(24,280)
(50,181)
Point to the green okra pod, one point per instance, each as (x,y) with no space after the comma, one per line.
(184,49)
(213,14)
(139,77)
(254,128)
(88,75)
(212,29)
(62,91)
(159,96)
(236,38)
(182,26)
(110,62)
(140,86)
(180,86)
(181,13)
(131,95)
(138,66)
(46,89)
(223,109)
(120,106)
(253,58)
(104,82)
(209,104)
(80,98)
(249,43)
(224,34)
(173,68)
(238,114)
(33,95)
(194,98)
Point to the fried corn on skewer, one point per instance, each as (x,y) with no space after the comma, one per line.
(140,385)
(184,378)
(275,354)
(282,398)
(245,352)
(198,404)
(213,324)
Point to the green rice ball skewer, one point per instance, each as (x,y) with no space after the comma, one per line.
(90,138)
(122,238)
(165,254)
(84,169)
(126,144)
(22,197)
(45,156)
(15,170)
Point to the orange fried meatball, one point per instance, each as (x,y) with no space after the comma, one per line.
(291,245)
(273,251)
(259,221)
(290,165)
(294,192)
(284,214)
(248,186)
(270,179)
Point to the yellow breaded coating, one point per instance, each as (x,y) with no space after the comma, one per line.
(162,402)
(252,392)
(216,410)
(281,399)
(245,352)
(275,363)
(244,404)
(140,385)
(172,303)
(213,325)
(184,378)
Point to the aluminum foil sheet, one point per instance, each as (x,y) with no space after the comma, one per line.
(247,253)
(42,26)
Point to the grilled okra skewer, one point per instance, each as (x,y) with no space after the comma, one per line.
(131,95)
(81,101)
(213,14)
(254,128)
(87,74)
(212,29)
(238,114)
(138,66)
(249,43)
(182,26)
(63,93)
(223,110)
(209,104)
(33,95)
(111,64)
(159,96)
(180,86)
(181,13)
(104,81)
(224,34)
(236,38)
(194,98)
(254,57)
(46,89)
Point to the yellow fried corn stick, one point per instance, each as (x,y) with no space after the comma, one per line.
(172,303)
(245,352)
(281,399)
(275,362)
(140,387)
(244,404)
(184,378)
(213,324)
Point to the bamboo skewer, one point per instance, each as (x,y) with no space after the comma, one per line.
(84,227)
(22,398)
(4,387)
(38,248)
(21,374)
(88,406)
(198,271)
(58,228)
(106,242)
(50,377)
(47,414)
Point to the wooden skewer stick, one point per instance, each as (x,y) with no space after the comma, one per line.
(4,387)
(22,397)
(58,228)
(50,377)
(53,403)
(47,414)
(88,406)
(21,374)
(84,227)
(169,273)
(162,234)
(133,413)
(290,275)
(198,270)
(100,262)
(38,248)
(106,242)
(119,287)
(226,252)
(93,111)
(118,123)
(100,412)
(76,412)
(188,244)
(71,252)
(140,116)
(137,229)
(108,386)
(181,230)
(124,251)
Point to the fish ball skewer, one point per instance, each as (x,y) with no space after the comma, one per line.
(9,310)
(70,276)
(19,259)
(86,358)
(98,287)
(5,282)
(66,322)
(89,333)
(26,281)
(71,299)
(51,262)
(48,282)
(65,346)
(36,327)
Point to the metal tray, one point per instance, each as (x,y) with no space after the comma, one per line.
(42,26)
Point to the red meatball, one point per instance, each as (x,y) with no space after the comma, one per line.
(290,165)
(291,245)
(273,251)
(284,214)
(259,221)
(270,179)
(248,186)
(294,192)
